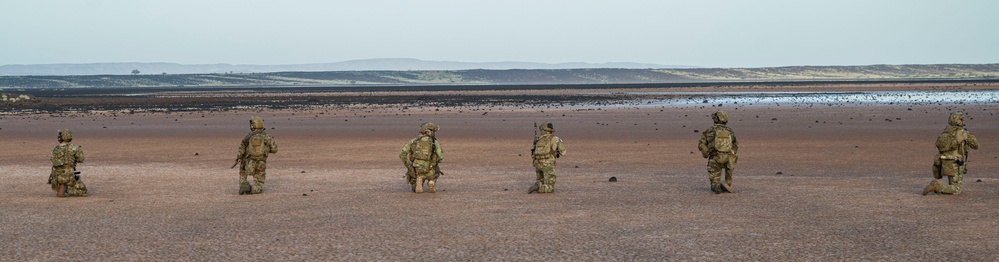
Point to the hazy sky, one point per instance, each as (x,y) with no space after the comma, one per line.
(710,33)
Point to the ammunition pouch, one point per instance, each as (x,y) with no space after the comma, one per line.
(949,167)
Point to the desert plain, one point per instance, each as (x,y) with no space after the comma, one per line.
(825,172)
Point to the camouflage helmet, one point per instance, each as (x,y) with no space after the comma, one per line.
(425,127)
(256,122)
(65,135)
(719,117)
(956,119)
(546,127)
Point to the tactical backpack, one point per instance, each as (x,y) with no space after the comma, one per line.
(723,140)
(946,142)
(257,147)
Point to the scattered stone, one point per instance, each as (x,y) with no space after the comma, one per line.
(780,173)
(696,131)
(978,181)
(303,171)
(196,153)
(612,179)
(304,194)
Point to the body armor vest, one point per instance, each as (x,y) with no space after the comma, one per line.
(544,146)
(62,156)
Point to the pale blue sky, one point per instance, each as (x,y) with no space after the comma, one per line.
(709,33)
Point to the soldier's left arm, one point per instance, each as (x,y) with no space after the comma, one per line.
(702,144)
(242,148)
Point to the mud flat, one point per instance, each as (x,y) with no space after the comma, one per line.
(818,179)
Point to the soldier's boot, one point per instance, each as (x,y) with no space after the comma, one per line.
(934,187)
(245,188)
(430,186)
(534,188)
(419,185)
(61,192)
(726,188)
(716,188)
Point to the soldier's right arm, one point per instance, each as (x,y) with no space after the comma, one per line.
(970,140)
(559,147)
(78,154)
(274,148)
(735,143)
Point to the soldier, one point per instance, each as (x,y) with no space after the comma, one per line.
(64,178)
(719,146)
(422,156)
(953,145)
(546,149)
(252,157)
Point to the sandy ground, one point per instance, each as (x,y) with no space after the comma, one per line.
(814,183)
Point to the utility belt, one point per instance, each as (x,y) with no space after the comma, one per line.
(544,157)
(63,167)
(256,158)
(950,157)
(715,153)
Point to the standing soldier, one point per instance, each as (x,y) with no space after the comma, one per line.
(953,145)
(422,156)
(546,149)
(252,157)
(719,146)
(64,178)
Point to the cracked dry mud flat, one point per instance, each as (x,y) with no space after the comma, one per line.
(818,183)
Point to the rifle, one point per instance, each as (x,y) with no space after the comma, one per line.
(238,160)
(434,158)
(535,143)
(965,151)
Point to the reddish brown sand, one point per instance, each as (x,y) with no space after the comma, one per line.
(818,183)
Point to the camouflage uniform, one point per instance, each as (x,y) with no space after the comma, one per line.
(422,156)
(547,148)
(252,157)
(953,145)
(719,146)
(64,159)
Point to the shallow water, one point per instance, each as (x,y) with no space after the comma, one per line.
(853,98)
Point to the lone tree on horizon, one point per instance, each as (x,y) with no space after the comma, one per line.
(135,71)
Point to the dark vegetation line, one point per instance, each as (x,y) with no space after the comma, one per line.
(51,92)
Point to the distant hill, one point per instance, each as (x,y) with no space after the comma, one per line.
(388,64)
(510,77)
